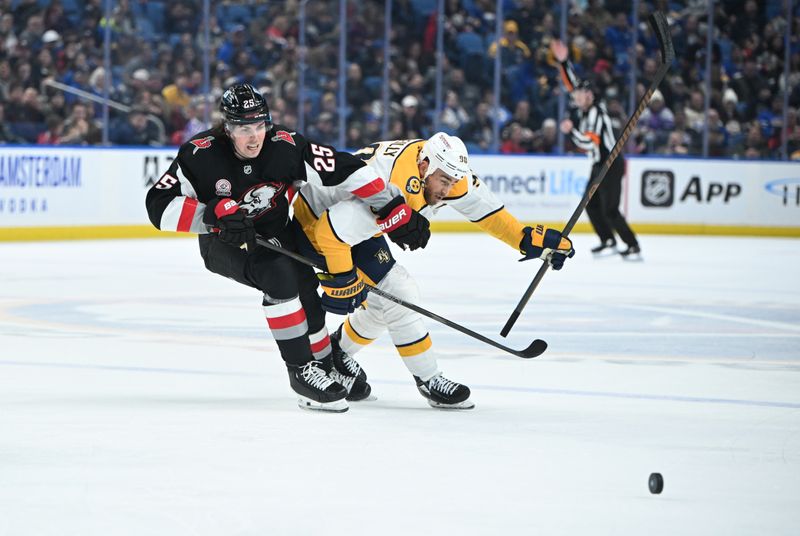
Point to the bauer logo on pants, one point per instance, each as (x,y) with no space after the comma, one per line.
(658,188)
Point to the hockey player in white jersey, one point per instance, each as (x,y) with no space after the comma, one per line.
(345,234)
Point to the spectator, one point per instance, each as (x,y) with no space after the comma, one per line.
(748,84)
(137,130)
(513,51)
(546,139)
(478,134)
(8,37)
(79,129)
(6,134)
(51,136)
(454,116)
(42,41)
(695,111)
(657,121)
(516,139)
(323,129)
(414,124)
(677,144)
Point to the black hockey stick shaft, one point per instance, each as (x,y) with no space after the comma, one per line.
(536,348)
(661,27)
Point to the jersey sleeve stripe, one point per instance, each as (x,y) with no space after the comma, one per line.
(188,211)
(593,136)
(182,215)
(371,188)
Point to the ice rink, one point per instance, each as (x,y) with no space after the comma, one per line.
(142,395)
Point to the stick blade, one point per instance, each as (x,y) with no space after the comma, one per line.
(535,349)
(660,25)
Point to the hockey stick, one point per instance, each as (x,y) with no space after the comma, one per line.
(536,348)
(660,26)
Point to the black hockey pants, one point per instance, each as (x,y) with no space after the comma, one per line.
(279,278)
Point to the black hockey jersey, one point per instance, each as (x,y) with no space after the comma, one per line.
(206,168)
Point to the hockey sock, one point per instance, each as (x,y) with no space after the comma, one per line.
(287,322)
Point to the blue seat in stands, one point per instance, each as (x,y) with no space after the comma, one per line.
(156,12)
(28,131)
(229,15)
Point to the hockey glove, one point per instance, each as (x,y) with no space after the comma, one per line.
(547,244)
(342,293)
(406,227)
(235,228)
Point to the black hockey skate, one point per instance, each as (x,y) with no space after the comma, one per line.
(316,389)
(633,253)
(444,394)
(347,371)
(606,248)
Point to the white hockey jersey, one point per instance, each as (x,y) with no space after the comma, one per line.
(334,220)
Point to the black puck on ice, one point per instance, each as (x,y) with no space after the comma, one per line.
(656,483)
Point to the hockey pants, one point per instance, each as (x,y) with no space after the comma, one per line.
(290,300)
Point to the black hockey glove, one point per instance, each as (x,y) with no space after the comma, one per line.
(547,244)
(342,293)
(406,227)
(235,228)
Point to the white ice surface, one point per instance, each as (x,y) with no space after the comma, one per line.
(142,395)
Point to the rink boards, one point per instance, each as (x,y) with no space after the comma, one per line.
(77,192)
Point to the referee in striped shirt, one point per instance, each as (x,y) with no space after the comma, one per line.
(595,136)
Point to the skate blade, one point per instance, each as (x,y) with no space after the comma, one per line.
(338,406)
(605,254)
(466,404)
(368,398)
(636,257)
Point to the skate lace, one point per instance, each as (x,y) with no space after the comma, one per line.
(351,366)
(442,384)
(315,376)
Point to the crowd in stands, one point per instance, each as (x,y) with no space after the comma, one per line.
(157,63)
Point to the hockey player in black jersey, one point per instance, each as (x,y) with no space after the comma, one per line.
(232,182)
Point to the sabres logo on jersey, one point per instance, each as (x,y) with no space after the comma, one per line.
(261,198)
(282,135)
(202,143)
(414,185)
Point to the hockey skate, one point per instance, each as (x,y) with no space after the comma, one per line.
(633,253)
(315,389)
(444,394)
(606,248)
(348,372)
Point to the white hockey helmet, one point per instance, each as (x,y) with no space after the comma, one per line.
(447,153)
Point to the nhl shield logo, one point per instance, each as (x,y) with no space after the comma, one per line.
(658,188)
(248,169)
